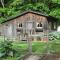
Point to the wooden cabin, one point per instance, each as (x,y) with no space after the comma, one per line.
(30,23)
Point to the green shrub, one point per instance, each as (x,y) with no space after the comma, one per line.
(54,42)
(6,48)
(54,36)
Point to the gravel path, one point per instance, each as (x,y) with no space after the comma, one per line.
(45,57)
(33,57)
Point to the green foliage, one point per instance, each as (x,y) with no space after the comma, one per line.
(13,7)
(10,58)
(55,12)
(54,36)
(2,19)
(20,48)
(37,48)
(54,43)
(56,1)
(6,48)
(16,3)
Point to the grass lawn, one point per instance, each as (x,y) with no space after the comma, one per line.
(22,49)
(37,48)
(9,58)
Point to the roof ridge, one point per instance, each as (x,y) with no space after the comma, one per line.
(35,12)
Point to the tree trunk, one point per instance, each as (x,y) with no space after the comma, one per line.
(2,3)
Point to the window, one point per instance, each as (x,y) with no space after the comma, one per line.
(39,25)
(20,25)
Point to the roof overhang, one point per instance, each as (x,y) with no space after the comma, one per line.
(23,13)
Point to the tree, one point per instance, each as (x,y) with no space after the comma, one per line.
(12,7)
(2,3)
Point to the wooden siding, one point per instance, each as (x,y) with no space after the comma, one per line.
(9,28)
